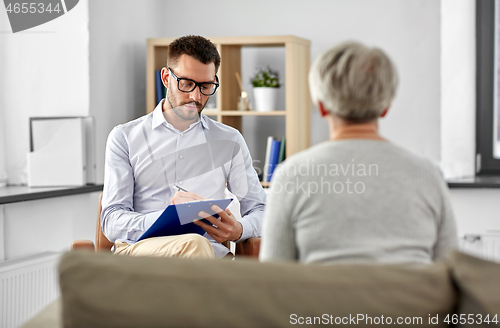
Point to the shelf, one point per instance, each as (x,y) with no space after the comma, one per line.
(252,113)
(210,112)
(483,181)
(214,112)
(245,41)
(14,194)
(296,111)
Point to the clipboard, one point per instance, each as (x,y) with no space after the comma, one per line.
(178,219)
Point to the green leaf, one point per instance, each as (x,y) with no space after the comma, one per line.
(266,78)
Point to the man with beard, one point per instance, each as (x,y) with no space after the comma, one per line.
(151,159)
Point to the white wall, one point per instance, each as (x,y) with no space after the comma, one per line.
(45,73)
(52,70)
(4,26)
(51,224)
(256,129)
(407,30)
(477,211)
(3,172)
(458,87)
(118,33)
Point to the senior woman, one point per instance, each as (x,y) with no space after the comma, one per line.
(356,197)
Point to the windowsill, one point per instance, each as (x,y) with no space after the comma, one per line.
(481,181)
(13,194)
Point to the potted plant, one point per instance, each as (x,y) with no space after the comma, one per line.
(265,89)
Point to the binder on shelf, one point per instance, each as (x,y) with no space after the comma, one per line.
(265,169)
(282,154)
(62,152)
(273,158)
(159,86)
(178,219)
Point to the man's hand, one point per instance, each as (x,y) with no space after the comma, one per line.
(182,197)
(227,227)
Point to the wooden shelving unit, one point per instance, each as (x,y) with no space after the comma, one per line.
(297,100)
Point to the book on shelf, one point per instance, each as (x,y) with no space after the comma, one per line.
(266,161)
(282,154)
(275,154)
(273,158)
(160,93)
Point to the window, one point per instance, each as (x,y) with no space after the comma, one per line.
(487,88)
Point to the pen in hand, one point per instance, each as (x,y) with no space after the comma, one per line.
(194,200)
(181,189)
(184,201)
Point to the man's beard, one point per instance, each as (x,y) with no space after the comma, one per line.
(183,113)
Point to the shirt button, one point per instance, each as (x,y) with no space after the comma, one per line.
(182,134)
(181,157)
(180,182)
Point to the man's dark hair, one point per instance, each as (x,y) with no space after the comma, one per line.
(195,46)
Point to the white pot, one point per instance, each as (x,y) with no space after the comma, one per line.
(265,99)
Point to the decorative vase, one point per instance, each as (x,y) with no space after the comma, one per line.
(265,99)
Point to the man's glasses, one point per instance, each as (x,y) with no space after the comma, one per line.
(188,85)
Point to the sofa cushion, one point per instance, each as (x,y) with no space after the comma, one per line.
(49,317)
(478,283)
(103,290)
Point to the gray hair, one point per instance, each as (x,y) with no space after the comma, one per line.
(354,82)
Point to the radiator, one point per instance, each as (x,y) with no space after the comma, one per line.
(485,246)
(26,286)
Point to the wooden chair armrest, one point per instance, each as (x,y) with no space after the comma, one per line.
(249,247)
(83,244)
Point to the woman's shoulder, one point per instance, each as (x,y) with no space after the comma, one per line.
(362,150)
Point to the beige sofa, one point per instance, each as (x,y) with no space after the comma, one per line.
(102,290)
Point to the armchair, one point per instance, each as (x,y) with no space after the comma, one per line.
(249,247)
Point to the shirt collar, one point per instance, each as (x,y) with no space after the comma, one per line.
(159,119)
(203,121)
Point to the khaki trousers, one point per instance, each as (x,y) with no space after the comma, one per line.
(189,245)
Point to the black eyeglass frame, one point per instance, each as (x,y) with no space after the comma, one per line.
(196,84)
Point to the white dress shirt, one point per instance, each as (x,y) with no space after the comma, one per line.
(147,157)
